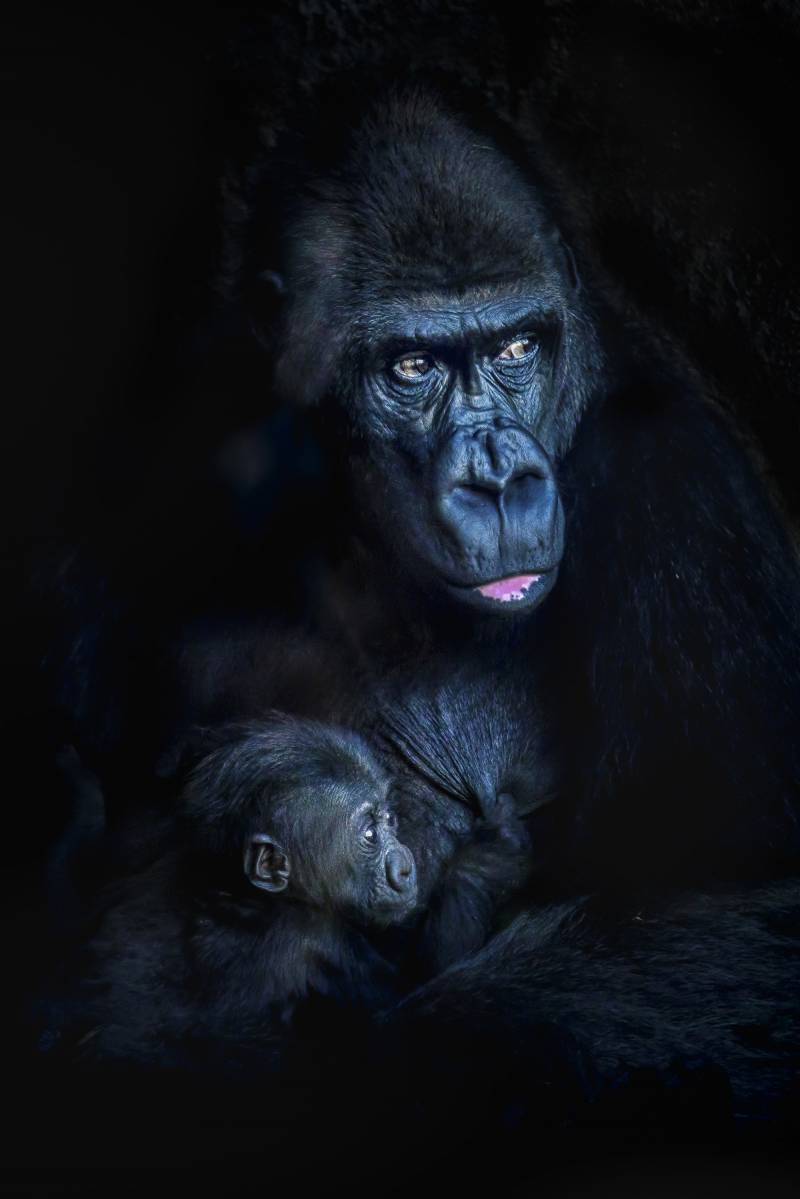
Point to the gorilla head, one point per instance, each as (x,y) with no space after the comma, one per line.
(431,310)
(307,806)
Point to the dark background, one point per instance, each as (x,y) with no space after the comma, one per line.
(674,124)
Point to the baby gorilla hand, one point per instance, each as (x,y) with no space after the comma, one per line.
(500,815)
(491,865)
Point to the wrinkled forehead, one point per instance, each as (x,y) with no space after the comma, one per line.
(468,314)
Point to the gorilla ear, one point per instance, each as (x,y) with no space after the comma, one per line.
(265,864)
(273,281)
(568,262)
(264,300)
(529,790)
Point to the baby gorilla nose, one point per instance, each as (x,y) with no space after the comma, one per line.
(399,869)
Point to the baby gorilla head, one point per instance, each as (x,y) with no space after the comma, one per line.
(307,808)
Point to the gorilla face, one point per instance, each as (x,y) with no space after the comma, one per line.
(433,310)
(453,468)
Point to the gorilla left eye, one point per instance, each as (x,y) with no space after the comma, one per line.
(517,349)
(413,366)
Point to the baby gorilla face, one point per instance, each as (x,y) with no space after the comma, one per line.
(381,873)
(347,853)
(323,829)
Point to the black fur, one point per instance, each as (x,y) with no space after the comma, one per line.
(196,966)
(701,980)
(666,652)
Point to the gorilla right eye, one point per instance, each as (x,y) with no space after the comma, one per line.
(412,366)
(371,833)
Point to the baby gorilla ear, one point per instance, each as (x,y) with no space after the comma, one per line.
(265,864)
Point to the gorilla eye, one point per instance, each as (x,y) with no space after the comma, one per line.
(517,349)
(413,366)
(371,833)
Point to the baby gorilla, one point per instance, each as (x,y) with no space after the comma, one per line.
(306,808)
(287,873)
(308,813)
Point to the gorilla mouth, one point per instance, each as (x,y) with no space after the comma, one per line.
(508,594)
(509,590)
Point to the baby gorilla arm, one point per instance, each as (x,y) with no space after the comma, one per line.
(484,873)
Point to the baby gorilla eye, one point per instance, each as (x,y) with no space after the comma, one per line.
(413,366)
(370,833)
(520,348)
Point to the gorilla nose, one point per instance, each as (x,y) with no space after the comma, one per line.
(499,462)
(497,491)
(399,869)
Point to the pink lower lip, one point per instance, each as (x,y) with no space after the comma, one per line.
(509,590)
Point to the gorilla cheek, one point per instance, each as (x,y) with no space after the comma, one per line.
(392,499)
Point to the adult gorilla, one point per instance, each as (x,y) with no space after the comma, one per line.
(498,434)
(507,436)
(503,433)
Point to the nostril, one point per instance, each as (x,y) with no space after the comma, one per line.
(478,492)
(525,479)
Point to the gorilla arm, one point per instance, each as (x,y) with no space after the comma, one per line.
(676,628)
(562,1002)
(483,874)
